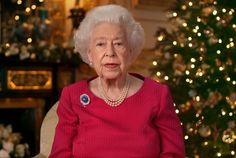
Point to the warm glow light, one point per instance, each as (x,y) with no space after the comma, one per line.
(218,18)
(17,17)
(175,43)
(154,63)
(218,51)
(220,40)
(33,7)
(200,58)
(158,73)
(231,39)
(186,137)
(185,24)
(166,78)
(190,38)
(181,45)
(160,38)
(234,25)
(7,45)
(234,82)
(29,40)
(41,0)
(198,98)
(19,2)
(221,68)
(232,152)
(228,78)
(197,115)
(205,143)
(187,72)
(199,34)
(224,10)
(218,154)
(214,12)
(199,19)
(177,111)
(190,45)
(192,66)
(230,114)
(174,14)
(223,112)
(27,9)
(183,7)
(193,60)
(190,3)
(231,44)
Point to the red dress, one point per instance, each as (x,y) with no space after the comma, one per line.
(145,125)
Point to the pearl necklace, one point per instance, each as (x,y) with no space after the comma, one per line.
(115,102)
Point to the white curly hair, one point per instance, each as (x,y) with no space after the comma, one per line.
(114,14)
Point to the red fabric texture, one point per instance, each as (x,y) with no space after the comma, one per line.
(145,125)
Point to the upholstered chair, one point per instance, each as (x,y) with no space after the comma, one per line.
(47,132)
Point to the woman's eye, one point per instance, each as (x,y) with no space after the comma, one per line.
(118,44)
(100,44)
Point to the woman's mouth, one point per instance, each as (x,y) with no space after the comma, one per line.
(111,65)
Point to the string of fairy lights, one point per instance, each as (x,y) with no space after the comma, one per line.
(29,8)
(198,69)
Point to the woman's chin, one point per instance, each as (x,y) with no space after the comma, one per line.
(111,75)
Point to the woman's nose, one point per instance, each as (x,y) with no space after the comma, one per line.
(110,50)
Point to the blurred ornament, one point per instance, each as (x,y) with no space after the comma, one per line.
(229,61)
(33,56)
(204,131)
(207,11)
(212,40)
(190,128)
(192,93)
(185,107)
(231,100)
(231,124)
(213,99)
(204,2)
(228,136)
(181,38)
(179,66)
(24,54)
(209,32)
(218,62)
(198,105)
(13,50)
(202,48)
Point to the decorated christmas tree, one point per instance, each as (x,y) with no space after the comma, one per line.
(197,60)
(31,30)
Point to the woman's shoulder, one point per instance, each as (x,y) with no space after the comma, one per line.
(77,86)
(150,82)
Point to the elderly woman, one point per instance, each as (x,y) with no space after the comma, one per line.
(115,114)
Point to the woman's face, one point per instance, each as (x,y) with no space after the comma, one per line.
(109,51)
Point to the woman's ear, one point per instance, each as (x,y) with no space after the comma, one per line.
(89,57)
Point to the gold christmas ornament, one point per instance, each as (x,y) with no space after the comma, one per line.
(207,11)
(185,107)
(178,66)
(213,99)
(228,136)
(204,131)
(231,100)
